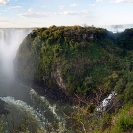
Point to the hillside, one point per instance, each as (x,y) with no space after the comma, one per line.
(76,59)
(85,62)
(61,56)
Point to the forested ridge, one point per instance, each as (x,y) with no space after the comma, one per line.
(79,60)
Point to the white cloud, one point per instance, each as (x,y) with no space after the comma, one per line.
(34,15)
(99,0)
(61,7)
(74,12)
(73,5)
(126,1)
(15,7)
(3,2)
(30,9)
(91,4)
(4,19)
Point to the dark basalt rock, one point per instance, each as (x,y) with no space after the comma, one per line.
(2,108)
(52,94)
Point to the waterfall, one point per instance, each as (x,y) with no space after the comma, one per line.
(22,99)
(10,39)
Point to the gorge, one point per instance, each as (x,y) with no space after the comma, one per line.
(43,70)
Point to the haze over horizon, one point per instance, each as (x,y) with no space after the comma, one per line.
(41,13)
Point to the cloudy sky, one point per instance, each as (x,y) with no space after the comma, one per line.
(44,13)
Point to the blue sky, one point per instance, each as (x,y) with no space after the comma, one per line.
(44,13)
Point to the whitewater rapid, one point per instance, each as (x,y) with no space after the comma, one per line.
(45,112)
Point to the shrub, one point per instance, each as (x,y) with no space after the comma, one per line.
(124,123)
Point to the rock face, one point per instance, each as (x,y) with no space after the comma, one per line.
(24,64)
(56,74)
(2,104)
(2,108)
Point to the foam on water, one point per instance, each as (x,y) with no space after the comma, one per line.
(51,108)
(106,101)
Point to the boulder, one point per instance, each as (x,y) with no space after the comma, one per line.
(2,108)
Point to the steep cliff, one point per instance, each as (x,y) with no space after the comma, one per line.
(75,59)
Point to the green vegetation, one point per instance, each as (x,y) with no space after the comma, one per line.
(88,61)
(25,124)
(73,58)
(119,123)
(77,59)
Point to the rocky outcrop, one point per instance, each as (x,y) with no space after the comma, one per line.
(56,75)
(2,108)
